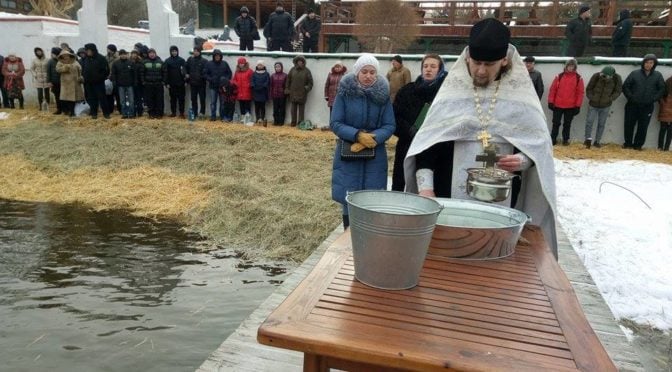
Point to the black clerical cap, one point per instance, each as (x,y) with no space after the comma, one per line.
(489,40)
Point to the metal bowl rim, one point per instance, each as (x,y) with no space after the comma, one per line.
(493,209)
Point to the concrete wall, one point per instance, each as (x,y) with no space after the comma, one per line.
(28,32)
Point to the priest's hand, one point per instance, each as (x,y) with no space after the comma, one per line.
(357,147)
(367,139)
(510,163)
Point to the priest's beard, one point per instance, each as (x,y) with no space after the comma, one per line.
(485,81)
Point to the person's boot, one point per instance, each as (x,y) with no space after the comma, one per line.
(597,144)
(587,143)
(346,221)
(265,123)
(565,142)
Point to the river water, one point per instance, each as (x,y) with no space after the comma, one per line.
(106,291)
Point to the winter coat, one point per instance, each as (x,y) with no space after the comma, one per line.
(138,66)
(280,26)
(538,82)
(95,69)
(665,113)
(228,91)
(566,90)
(331,86)
(13,73)
(173,71)
(124,73)
(578,32)
(194,68)
(214,71)
(243,80)
(602,90)
(278,81)
(261,83)
(623,30)
(53,77)
(71,78)
(2,77)
(299,82)
(245,27)
(642,89)
(311,26)
(410,100)
(39,70)
(111,58)
(152,72)
(356,109)
(398,78)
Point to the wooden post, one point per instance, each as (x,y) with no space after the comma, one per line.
(502,9)
(669,16)
(452,15)
(225,12)
(611,12)
(258,12)
(554,13)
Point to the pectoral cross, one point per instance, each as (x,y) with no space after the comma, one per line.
(485,138)
(489,156)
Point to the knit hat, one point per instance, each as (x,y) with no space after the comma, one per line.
(122,52)
(242,61)
(135,51)
(151,50)
(529,59)
(260,62)
(112,47)
(397,58)
(91,46)
(650,56)
(583,9)
(198,48)
(609,71)
(365,59)
(56,50)
(571,61)
(339,63)
(489,40)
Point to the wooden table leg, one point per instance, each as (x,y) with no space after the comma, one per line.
(314,363)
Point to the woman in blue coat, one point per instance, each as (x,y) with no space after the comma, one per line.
(362,118)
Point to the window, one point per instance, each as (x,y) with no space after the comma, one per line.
(11,4)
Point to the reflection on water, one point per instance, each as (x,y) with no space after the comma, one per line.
(88,291)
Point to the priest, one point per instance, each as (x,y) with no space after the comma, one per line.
(487,97)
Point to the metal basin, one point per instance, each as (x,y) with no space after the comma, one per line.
(474,230)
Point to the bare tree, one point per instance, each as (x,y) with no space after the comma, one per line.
(52,8)
(383,26)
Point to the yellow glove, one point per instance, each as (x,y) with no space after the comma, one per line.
(357,147)
(367,139)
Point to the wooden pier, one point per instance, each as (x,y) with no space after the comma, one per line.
(241,352)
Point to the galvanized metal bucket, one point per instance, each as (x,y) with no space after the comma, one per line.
(390,233)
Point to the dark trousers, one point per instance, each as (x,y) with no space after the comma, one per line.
(114,98)
(310,44)
(68,107)
(297,111)
(665,135)
(154,100)
(558,114)
(246,44)
(5,97)
(228,108)
(398,181)
(637,116)
(139,98)
(56,90)
(197,93)
(245,107)
(95,96)
(279,110)
(177,94)
(575,50)
(620,51)
(43,95)
(260,110)
(283,45)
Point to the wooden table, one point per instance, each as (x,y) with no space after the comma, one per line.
(515,314)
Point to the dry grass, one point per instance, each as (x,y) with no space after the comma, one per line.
(611,152)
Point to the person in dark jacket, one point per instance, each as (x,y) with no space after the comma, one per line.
(620,39)
(279,30)
(310,29)
(299,84)
(408,105)
(194,75)
(54,79)
(564,99)
(81,56)
(278,95)
(152,80)
(228,92)
(337,72)
(261,83)
(602,90)
(535,75)
(642,88)
(363,117)
(3,91)
(138,88)
(579,32)
(245,27)
(213,72)
(173,77)
(95,71)
(124,77)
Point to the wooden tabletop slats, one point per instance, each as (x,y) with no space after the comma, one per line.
(517,313)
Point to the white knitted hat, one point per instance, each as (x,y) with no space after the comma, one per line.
(365,59)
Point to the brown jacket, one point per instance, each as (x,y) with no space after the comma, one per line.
(13,72)
(665,112)
(331,86)
(398,78)
(71,77)
(299,82)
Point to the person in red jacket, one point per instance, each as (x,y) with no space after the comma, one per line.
(243,81)
(564,99)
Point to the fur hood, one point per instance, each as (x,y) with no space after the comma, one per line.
(379,92)
(299,58)
(343,70)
